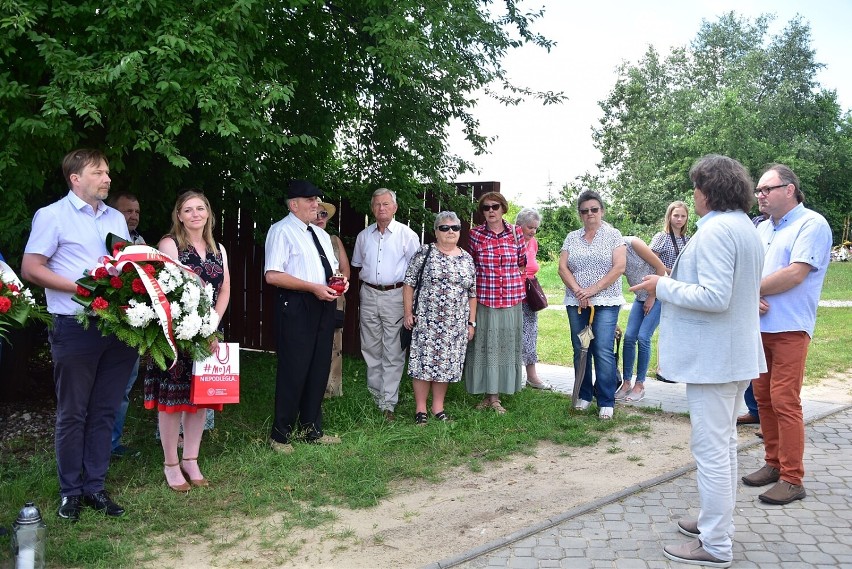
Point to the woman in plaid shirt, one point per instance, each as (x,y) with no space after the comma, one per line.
(493,360)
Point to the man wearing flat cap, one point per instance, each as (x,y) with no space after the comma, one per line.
(299,261)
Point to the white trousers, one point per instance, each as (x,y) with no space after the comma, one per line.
(381,320)
(713,414)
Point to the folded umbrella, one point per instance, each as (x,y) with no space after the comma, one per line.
(586,336)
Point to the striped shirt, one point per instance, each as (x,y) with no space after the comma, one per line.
(290,249)
(500,259)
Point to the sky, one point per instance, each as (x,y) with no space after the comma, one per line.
(544,147)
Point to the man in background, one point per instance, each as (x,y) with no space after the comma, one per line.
(128,205)
(798,249)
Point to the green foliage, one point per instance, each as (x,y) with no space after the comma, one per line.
(737,89)
(238,97)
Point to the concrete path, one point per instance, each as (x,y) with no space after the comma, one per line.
(628,529)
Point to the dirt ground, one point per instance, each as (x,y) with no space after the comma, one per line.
(422,524)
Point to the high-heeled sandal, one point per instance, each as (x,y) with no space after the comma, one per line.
(182,488)
(201,482)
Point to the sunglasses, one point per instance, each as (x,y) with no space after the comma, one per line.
(586,210)
(492,207)
(445,228)
(322,214)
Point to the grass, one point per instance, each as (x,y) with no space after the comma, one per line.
(250,482)
(828,353)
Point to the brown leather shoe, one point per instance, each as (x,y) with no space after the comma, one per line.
(693,553)
(783,493)
(747,419)
(766,475)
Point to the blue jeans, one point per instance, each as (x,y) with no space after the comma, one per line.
(600,351)
(121,413)
(640,328)
(751,402)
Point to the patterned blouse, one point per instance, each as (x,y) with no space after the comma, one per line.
(500,259)
(589,262)
(661,244)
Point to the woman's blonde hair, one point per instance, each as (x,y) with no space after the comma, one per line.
(179,232)
(667,224)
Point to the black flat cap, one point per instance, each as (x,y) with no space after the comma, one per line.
(302,189)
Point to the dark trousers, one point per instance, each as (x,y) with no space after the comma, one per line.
(90,375)
(751,402)
(305,329)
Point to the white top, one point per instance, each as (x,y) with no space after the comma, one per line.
(383,257)
(72,236)
(290,249)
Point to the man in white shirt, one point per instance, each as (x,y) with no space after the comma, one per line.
(299,261)
(382,252)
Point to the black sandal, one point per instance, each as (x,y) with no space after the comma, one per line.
(441,416)
(421,419)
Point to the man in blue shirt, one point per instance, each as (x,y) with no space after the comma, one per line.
(798,248)
(90,370)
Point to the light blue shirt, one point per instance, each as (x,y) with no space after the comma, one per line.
(73,238)
(801,236)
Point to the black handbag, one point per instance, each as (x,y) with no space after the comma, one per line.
(536,298)
(405,333)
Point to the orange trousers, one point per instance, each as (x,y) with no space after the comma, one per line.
(779,402)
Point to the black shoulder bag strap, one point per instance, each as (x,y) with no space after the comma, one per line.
(674,242)
(419,278)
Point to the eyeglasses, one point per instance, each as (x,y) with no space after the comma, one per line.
(322,214)
(765,191)
(585,211)
(445,228)
(493,207)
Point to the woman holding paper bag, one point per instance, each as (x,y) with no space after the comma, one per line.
(189,241)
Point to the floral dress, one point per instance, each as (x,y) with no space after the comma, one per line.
(439,339)
(169,390)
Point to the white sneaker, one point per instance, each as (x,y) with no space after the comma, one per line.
(582,405)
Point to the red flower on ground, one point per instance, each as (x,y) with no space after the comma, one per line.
(99,304)
(101,273)
(84,292)
(5,304)
(116,282)
(138,286)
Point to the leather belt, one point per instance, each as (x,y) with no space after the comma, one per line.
(383,287)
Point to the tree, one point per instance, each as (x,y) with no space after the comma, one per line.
(237,96)
(735,90)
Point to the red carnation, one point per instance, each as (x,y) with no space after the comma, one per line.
(127,268)
(1,285)
(84,292)
(5,304)
(138,286)
(13,287)
(101,273)
(150,269)
(99,304)
(116,282)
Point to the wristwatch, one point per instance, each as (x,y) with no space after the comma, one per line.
(469,323)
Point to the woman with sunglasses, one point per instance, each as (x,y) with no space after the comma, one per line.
(591,263)
(493,363)
(326,211)
(446,305)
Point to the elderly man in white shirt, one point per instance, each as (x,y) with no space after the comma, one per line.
(382,252)
(299,261)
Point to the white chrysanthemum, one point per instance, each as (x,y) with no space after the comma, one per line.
(208,290)
(191,296)
(211,320)
(139,314)
(176,310)
(188,327)
(7,277)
